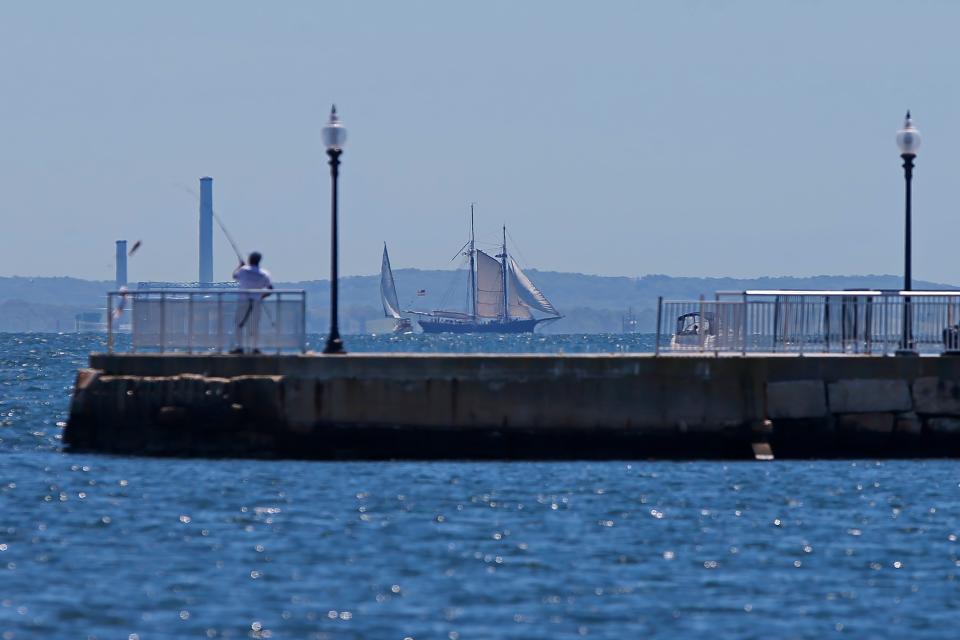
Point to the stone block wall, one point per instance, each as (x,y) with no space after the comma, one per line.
(517,406)
(913,413)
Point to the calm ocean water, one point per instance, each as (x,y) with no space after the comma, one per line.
(107,547)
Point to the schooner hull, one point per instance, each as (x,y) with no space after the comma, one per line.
(433,325)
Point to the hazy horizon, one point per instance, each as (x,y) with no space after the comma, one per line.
(625,138)
(397,270)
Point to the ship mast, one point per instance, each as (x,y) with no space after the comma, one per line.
(473,273)
(503,274)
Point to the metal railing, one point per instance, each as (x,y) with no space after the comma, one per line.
(783,321)
(209,320)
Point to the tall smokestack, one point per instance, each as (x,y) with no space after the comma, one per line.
(121,264)
(206,230)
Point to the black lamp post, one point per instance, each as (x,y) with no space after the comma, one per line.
(334,135)
(908,140)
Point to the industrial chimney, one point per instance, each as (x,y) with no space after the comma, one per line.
(121,264)
(206,231)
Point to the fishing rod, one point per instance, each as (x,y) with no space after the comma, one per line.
(236,250)
(216,217)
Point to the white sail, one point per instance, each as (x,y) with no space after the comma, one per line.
(388,290)
(518,309)
(527,292)
(489,286)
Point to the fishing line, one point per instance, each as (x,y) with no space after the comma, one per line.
(236,250)
(216,217)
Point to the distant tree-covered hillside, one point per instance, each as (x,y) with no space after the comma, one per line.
(590,304)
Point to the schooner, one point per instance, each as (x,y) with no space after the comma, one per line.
(502,298)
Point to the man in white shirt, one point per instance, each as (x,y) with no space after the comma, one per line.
(250,277)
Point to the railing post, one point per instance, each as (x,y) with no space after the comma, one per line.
(700,334)
(884,321)
(220,321)
(888,324)
(776,321)
(716,329)
(303,321)
(907,328)
(189,322)
(803,323)
(656,348)
(893,307)
(743,346)
(109,323)
(826,324)
(279,311)
(133,323)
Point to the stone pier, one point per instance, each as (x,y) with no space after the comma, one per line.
(517,406)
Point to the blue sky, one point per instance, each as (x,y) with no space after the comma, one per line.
(618,138)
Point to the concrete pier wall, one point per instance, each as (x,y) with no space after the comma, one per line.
(373,406)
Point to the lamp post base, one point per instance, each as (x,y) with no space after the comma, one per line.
(906,352)
(334,347)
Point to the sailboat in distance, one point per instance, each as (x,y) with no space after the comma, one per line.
(501,297)
(388,296)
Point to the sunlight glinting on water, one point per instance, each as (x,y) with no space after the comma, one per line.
(107,547)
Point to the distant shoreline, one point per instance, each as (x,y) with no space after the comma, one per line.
(590,304)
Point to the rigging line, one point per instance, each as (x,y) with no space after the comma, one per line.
(457,275)
(460,251)
(523,258)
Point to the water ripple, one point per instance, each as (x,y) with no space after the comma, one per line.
(107,547)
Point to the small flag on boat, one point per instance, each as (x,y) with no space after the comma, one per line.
(421,292)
